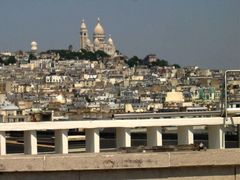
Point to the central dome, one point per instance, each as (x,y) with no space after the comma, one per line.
(98,28)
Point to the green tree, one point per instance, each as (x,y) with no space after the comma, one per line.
(31,57)
(101,54)
(176,66)
(160,63)
(1,61)
(134,61)
(83,54)
(10,60)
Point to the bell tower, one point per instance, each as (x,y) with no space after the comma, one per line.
(83,35)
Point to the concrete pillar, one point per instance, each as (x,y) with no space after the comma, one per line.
(61,141)
(2,143)
(238,132)
(123,137)
(216,137)
(154,136)
(30,142)
(185,135)
(92,140)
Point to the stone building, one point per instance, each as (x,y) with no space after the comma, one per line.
(99,39)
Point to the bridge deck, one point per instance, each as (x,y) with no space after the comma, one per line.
(126,123)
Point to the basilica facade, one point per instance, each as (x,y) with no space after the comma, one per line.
(99,41)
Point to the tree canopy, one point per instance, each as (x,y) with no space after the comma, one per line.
(31,57)
(176,66)
(83,54)
(1,61)
(10,60)
(135,61)
(159,62)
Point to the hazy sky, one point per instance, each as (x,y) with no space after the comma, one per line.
(187,32)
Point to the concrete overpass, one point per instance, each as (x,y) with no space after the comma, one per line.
(215,126)
(219,163)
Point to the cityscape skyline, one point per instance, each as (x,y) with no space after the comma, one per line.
(188,33)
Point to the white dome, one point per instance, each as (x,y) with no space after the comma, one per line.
(98,28)
(110,41)
(96,41)
(33,43)
(83,25)
(34,46)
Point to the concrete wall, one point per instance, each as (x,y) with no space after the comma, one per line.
(212,164)
(198,173)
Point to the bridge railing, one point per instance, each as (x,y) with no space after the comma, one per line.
(167,115)
(215,126)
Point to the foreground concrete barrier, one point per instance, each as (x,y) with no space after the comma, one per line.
(210,164)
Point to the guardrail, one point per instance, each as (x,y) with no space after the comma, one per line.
(215,126)
(167,115)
